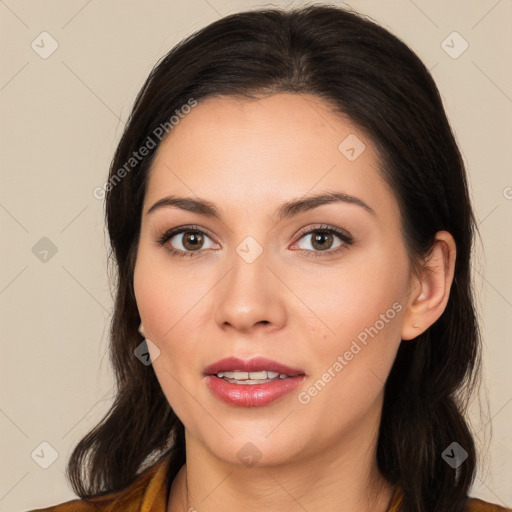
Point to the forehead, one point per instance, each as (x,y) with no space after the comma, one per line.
(258,152)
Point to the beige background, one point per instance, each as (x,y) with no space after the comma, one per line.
(61,120)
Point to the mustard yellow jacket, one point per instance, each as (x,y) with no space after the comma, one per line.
(148,493)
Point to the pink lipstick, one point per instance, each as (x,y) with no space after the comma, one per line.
(251,382)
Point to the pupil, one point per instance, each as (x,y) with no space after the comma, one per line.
(196,239)
(320,239)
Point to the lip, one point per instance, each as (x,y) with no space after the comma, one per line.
(255,364)
(252,395)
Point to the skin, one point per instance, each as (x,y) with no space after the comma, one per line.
(247,157)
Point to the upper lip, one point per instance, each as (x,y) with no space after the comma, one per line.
(254,364)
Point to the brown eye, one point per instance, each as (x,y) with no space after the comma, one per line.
(192,240)
(186,241)
(322,240)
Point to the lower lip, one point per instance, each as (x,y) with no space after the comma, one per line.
(252,395)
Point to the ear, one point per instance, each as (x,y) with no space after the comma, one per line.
(430,291)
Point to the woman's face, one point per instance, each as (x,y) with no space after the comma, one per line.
(268,280)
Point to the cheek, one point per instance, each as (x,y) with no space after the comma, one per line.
(361,308)
(164,314)
(165,296)
(354,296)
(150,294)
(169,305)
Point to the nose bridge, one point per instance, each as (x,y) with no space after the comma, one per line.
(250,263)
(249,293)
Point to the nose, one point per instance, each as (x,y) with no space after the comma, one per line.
(250,296)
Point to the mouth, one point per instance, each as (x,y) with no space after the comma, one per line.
(248,371)
(261,377)
(251,382)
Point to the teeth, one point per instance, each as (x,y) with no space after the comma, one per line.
(259,376)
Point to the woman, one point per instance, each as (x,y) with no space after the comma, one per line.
(294,326)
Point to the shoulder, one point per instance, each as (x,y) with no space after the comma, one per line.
(477,505)
(147,492)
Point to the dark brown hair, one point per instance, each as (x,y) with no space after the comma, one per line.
(370,76)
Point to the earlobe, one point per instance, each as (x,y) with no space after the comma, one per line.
(432,290)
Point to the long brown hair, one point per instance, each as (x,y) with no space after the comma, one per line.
(374,79)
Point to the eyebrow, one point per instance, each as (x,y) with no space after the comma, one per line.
(285,210)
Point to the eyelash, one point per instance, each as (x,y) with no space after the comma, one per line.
(345,238)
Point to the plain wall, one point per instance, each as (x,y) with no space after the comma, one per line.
(61,119)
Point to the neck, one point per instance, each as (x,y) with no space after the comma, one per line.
(343,477)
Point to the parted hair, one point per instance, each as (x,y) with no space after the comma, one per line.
(371,77)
